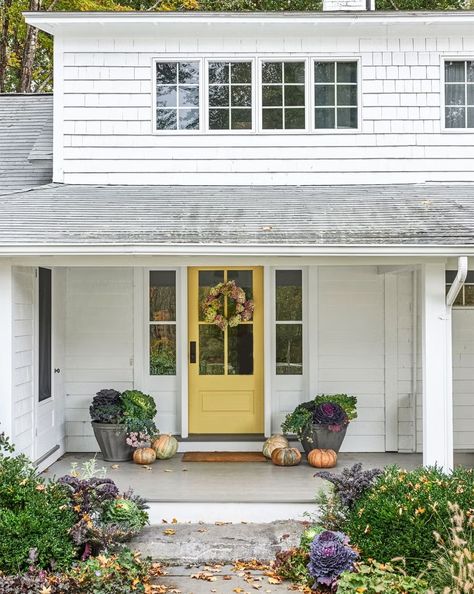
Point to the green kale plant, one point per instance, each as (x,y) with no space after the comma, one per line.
(378,578)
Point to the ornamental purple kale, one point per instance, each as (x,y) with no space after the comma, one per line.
(330,414)
(330,555)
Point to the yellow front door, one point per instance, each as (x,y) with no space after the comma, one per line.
(225,366)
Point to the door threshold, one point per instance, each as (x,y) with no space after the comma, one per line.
(222,437)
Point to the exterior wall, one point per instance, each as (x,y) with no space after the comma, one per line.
(463,375)
(23,359)
(107,136)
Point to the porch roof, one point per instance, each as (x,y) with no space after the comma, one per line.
(278,217)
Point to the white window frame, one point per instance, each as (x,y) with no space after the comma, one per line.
(442,102)
(292,58)
(333,59)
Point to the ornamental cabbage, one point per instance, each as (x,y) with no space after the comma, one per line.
(330,555)
(330,414)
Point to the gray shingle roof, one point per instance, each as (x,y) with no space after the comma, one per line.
(426,215)
(26,141)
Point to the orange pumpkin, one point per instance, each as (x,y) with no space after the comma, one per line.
(322,458)
(144,456)
(273,442)
(286,456)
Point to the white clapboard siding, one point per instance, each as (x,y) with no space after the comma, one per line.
(463,376)
(99,344)
(107,116)
(23,358)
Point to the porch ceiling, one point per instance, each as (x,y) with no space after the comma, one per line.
(267,216)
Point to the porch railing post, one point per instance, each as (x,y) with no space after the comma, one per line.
(437,369)
(6,349)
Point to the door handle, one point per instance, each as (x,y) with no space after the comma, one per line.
(192,351)
(57,370)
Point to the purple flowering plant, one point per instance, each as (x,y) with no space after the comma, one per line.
(331,415)
(330,555)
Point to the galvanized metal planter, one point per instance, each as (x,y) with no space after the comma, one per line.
(111,440)
(319,436)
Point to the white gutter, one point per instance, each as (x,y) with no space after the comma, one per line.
(458,281)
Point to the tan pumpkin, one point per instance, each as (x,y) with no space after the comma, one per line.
(273,442)
(322,458)
(144,456)
(165,446)
(286,456)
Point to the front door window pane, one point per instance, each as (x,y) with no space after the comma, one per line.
(211,350)
(240,350)
(283,96)
(207,280)
(244,280)
(163,349)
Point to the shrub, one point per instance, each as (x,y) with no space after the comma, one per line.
(292,565)
(123,573)
(375,578)
(398,516)
(329,556)
(139,410)
(452,571)
(351,483)
(34,516)
(106,407)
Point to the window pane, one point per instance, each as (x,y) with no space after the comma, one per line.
(347,117)
(219,96)
(346,95)
(188,96)
(455,95)
(163,349)
(241,119)
(468,295)
(162,295)
(240,350)
(294,95)
(470,117)
(166,73)
(294,72)
(294,118)
(166,119)
(211,350)
(272,119)
(241,96)
(470,71)
(455,117)
(272,95)
(324,72)
(241,72)
(218,73)
(470,94)
(166,96)
(44,333)
(455,71)
(289,349)
(207,280)
(324,95)
(244,280)
(272,72)
(347,72)
(325,118)
(289,295)
(188,119)
(189,73)
(219,119)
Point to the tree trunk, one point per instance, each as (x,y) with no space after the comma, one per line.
(4,43)
(29,52)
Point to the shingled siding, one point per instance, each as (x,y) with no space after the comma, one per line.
(107,133)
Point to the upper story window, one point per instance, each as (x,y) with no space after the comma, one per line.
(459,93)
(335,95)
(283,95)
(230,95)
(177,95)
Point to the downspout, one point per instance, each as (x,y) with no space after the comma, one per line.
(450,299)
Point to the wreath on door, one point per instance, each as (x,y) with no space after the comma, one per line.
(212,304)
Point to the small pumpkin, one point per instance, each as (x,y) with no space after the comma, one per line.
(286,456)
(273,442)
(322,458)
(165,446)
(144,456)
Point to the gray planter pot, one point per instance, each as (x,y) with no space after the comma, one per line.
(319,436)
(111,440)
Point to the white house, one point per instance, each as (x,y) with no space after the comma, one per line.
(323,161)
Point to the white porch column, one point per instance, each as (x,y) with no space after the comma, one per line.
(437,369)
(6,349)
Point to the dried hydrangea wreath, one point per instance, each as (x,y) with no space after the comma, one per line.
(212,304)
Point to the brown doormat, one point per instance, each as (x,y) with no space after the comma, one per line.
(223,457)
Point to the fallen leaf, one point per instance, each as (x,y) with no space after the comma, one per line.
(169,532)
(202,530)
(167,470)
(274,580)
(227,577)
(174,521)
(146,467)
(115,466)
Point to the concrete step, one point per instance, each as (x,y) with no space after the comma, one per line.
(197,544)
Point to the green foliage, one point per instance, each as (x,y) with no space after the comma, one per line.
(124,513)
(35,516)
(162,358)
(123,572)
(296,421)
(331,513)
(139,410)
(292,565)
(398,516)
(378,578)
